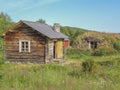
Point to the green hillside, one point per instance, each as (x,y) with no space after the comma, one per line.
(72,32)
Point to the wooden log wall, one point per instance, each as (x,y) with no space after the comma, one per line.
(37,45)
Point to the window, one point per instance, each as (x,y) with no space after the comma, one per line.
(24,46)
(93,45)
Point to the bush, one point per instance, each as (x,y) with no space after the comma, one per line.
(103,51)
(89,65)
(109,63)
(116,45)
(76,71)
(99,52)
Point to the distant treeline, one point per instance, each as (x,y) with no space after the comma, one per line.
(72,33)
(5,22)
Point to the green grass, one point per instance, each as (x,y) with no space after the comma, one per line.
(57,77)
(105,74)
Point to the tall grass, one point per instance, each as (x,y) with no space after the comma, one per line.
(74,53)
(56,77)
(88,73)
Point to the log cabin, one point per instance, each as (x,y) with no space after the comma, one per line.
(34,42)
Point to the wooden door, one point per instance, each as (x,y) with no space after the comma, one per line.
(59,49)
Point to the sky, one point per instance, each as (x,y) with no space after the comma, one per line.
(96,15)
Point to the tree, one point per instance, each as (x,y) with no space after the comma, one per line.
(72,33)
(116,45)
(5,22)
(41,21)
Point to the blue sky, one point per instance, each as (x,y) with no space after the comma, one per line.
(98,15)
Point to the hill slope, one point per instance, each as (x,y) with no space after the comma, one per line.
(76,34)
(72,32)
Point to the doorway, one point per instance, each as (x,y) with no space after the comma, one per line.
(58,50)
(93,45)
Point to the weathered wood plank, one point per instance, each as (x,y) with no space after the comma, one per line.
(37,45)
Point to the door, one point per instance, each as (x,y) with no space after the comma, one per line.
(59,49)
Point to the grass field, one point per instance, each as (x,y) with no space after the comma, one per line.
(104,74)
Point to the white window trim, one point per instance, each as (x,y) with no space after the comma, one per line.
(20,45)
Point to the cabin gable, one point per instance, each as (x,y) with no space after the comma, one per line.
(23,34)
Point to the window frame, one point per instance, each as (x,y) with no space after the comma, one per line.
(20,46)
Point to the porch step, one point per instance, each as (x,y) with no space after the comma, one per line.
(58,60)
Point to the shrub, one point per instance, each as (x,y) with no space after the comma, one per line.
(99,52)
(1,76)
(76,72)
(103,51)
(89,65)
(109,63)
(116,45)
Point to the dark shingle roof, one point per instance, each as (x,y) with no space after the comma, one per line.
(45,30)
